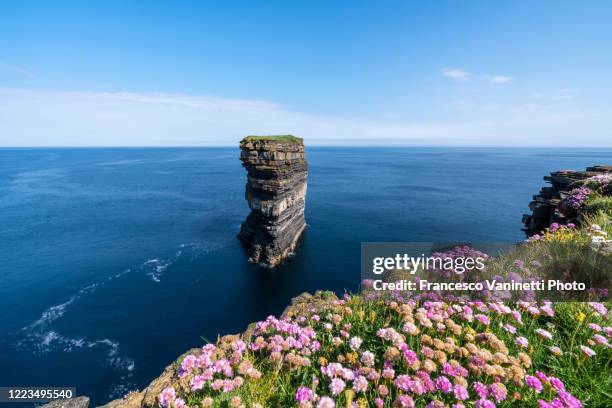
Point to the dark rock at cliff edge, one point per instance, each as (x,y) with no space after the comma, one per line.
(276,193)
(546,207)
(78,402)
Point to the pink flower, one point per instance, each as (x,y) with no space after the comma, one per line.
(484,403)
(217,384)
(239,346)
(427,352)
(337,386)
(388,373)
(534,311)
(403,382)
(360,384)
(228,386)
(541,376)
(333,370)
(326,402)
(498,391)
(404,401)
(188,364)
(461,393)
(587,351)
(533,382)
(569,400)
(368,359)
(348,375)
(517,316)
(544,334)
(167,396)
(410,328)
(481,390)
(483,319)
(197,382)
(355,343)
(595,327)
(304,394)
(522,342)
(598,338)
(409,355)
(599,308)
(443,384)
(557,384)
(548,310)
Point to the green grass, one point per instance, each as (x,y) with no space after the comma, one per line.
(604,220)
(274,138)
(597,202)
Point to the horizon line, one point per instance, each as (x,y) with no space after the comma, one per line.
(314,145)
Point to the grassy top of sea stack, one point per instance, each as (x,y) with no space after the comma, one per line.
(274,138)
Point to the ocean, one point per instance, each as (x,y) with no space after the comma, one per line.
(113,262)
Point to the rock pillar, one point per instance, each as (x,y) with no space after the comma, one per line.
(276,193)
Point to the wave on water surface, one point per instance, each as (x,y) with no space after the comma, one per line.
(40,337)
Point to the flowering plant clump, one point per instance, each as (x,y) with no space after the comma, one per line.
(600,183)
(575,200)
(355,352)
(557,233)
(596,233)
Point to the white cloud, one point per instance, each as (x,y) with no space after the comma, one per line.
(461,75)
(65,118)
(456,74)
(500,79)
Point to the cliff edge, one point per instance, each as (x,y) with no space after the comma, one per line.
(555,203)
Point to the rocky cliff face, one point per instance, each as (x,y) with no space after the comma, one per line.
(276,192)
(546,207)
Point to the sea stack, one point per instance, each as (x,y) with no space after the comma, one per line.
(276,192)
(547,207)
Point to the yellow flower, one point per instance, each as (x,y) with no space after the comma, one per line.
(372,316)
(580,317)
(322,361)
(349,397)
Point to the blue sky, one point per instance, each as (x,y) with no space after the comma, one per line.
(504,73)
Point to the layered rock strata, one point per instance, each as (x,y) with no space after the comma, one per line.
(276,192)
(546,206)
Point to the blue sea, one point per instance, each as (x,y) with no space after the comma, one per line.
(113,262)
